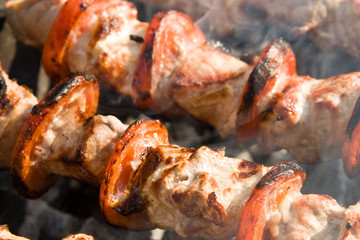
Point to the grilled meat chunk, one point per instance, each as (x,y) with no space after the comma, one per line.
(170,37)
(31,20)
(306,116)
(62,137)
(276,209)
(15,105)
(97,41)
(197,193)
(208,84)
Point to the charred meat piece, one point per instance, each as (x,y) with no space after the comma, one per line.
(197,193)
(169,38)
(306,116)
(123,162)
(207,85)
(61,136)
(95,37)
(15,105)
(277,210)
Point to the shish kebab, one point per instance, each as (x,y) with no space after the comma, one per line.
(329,23)
(150,183)
(166,65)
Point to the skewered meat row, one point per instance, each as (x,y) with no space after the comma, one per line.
(329,24)
(201,193)
(157,53)
(82,40)
(39,154)
(149,183)
(167,66)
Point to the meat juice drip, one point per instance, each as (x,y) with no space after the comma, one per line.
(64,209)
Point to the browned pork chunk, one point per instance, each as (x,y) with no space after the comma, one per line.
(31,20)
(95,38)
(62,137)
(306,116)
(207,85)
(15,105)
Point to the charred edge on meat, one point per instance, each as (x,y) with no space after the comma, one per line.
(104,29)
(80,156)
(72,161)
(21,186)
(150,160)
(61,90)
(247,169)
(264,71)
(354,119)
(4,101)
(348,225)
(147,58)
(282,169)
(136,38)
(134,203)
(131,205)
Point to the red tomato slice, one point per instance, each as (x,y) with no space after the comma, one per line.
(268,193)
(125,159)
(74,99)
